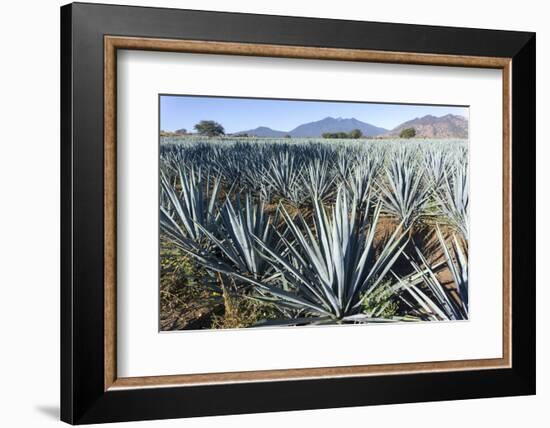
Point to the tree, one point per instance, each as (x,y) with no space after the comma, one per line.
(407,133)
(356,133)
(209,128)
(335,135)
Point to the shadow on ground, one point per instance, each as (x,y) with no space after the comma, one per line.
(50,411)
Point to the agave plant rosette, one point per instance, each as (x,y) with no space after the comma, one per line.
(453,198)
(360,180)
(234,239)
(435,300)
(436,164)
(404,192)
(326,273)
(190,206)
(318,180)
(283,176)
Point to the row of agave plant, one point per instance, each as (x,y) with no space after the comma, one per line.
(324,232)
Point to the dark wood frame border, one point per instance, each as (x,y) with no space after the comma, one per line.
(91,391)
(114,43)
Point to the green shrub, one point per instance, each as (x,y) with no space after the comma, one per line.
(407,133)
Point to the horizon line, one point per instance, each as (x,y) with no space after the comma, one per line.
(336,118)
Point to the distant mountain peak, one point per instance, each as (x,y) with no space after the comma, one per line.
(263,131)
(430,126)
(318,128)
(335,124)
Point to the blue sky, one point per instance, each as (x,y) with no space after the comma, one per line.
(241,114)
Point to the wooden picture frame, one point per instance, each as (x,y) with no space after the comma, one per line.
(91,390)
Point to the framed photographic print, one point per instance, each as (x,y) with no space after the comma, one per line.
(265,213)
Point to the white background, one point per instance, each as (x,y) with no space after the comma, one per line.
(29,226)
(142,351)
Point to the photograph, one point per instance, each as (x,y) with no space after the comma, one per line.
(274,210)
(280,212)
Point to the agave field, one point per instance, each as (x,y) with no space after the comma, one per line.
(295,232)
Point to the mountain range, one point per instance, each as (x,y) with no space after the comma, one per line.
(318,128)
(263,131)
(448,126)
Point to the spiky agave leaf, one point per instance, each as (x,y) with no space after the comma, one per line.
(458,265)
